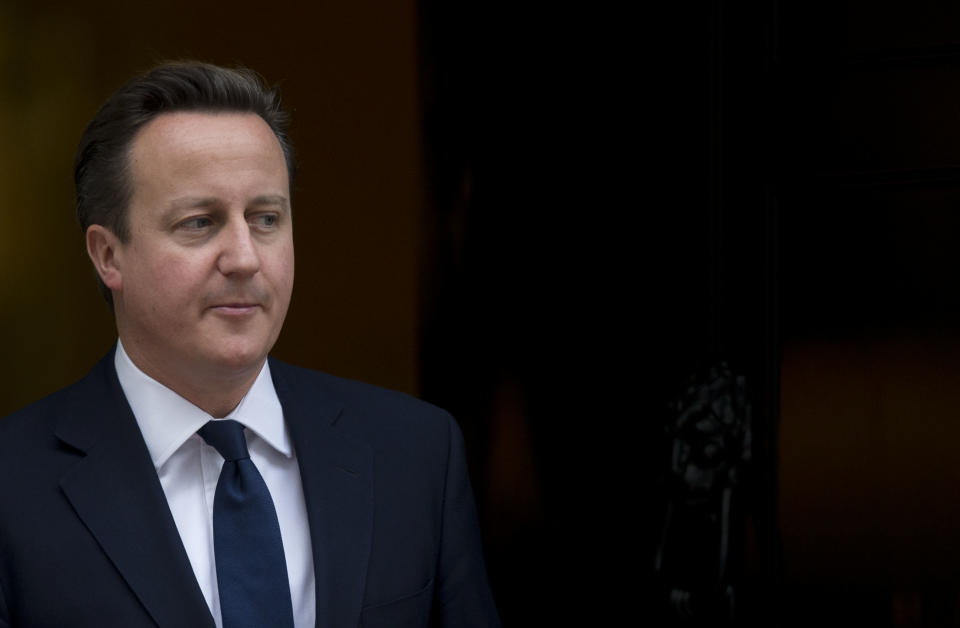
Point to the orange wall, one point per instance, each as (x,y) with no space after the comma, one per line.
(870,460)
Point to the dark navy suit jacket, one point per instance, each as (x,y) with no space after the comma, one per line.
(87,538)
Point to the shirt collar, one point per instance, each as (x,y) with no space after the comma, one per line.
(167,420)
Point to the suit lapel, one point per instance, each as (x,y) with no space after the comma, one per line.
(336,472)
(117,494)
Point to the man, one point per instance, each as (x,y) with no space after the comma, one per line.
(188,479)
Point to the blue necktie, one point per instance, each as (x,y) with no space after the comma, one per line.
(251,570)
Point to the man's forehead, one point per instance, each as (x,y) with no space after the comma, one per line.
(198,157)
(192,130)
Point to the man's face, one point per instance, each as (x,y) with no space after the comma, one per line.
(206,275)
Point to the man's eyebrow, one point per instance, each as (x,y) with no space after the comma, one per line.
(271,199)
(191,202)
(179,205)
(197,202)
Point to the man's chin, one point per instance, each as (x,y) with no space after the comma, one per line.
(241,362)
(236,360)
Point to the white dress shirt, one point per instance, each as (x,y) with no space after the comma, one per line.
(189,470)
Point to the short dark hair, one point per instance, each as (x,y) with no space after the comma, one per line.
(101,169)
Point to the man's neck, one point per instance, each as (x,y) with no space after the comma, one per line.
(216,392)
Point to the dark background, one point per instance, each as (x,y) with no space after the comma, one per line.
(820,179)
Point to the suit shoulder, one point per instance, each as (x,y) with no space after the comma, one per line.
(31,454)
(85,394)
(32,420)
(365,406)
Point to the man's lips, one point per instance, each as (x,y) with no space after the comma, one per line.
(238,302)
(235,309)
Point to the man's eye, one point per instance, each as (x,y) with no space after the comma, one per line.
(266,220)
(197,223)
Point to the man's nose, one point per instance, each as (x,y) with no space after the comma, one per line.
(239,254)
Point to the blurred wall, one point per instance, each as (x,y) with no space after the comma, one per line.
(348,73)
(868,459)
(866,98)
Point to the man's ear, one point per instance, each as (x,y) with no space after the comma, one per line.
(103,247)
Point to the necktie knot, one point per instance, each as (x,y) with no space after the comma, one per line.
(227,438)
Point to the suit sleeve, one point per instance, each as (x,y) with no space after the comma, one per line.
(4,613)
(462,597)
